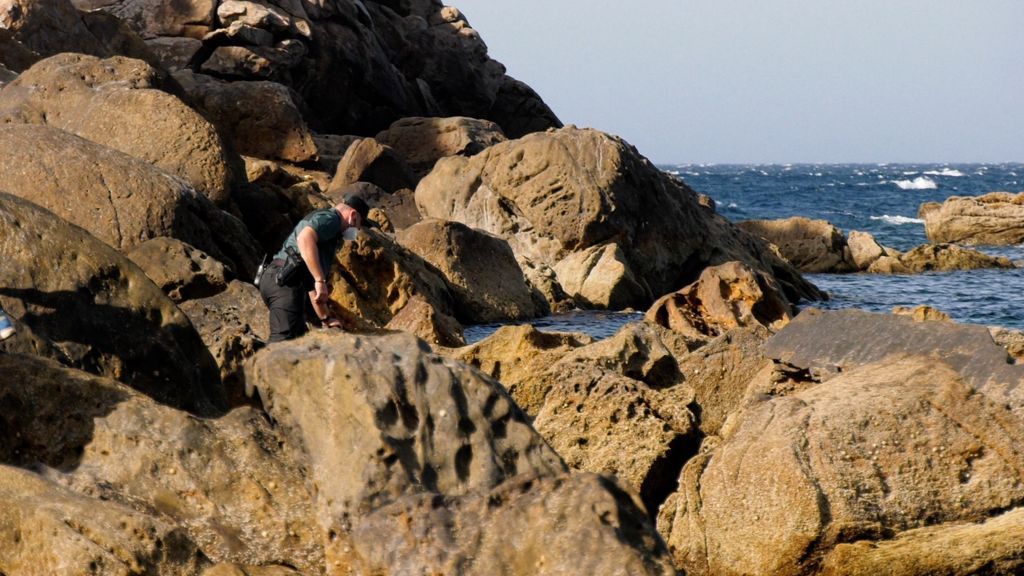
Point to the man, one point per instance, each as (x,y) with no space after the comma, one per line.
(311,247)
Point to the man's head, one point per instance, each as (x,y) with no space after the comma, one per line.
(354,210)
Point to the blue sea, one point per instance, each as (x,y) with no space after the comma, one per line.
(882,199)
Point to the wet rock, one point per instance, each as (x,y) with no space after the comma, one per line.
(181,271)
(122,200)
(367,160)
(885,447)
(561,192)
(91,308)
(422,141)
(938,258)
(810,245)
(727,296)
(260,118)
(485,280)
(993,218)
(120,103)
(600,277)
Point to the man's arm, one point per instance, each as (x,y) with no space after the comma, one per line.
(306,241)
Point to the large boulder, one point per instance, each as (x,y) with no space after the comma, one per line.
(810,245)
(883,448)
(485,280)
(423,141)
(120,199)
(370,161)
(49,27)
(78,301)
(994,218)
(151,18)
(182,271)
(14,55)
(727,296)
(938,258)
(260,118)
(600,277)
(121,103)
(556,193)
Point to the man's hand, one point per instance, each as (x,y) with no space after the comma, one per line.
(321,291)
(331,322)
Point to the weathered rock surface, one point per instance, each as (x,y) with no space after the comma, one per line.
(152,18)
(234,325)
(865,250)
(994,218)
(91,308)
(841,340)
(922,313)
(224,484)
(399,207)
(727,296)
(367,160)
(600,277)
(1011,340)
(485,280)
(121,200)
(938,258)
(14,55)
(810,245)
(49,27)
(560,192)
(121,103)
(882,448)
(423,141)
(260,118)
(46,529)
(421,318)
(181,271)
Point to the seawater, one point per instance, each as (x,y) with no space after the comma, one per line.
(882,199)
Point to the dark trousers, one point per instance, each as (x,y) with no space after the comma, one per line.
(287,304)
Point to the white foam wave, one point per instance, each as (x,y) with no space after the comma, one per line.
(919,183)
(910,172)
(733,205)
(898,220)
(950,172)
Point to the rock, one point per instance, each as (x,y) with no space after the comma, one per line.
(922,313)
(422,141)
(544,286)
(864,249)
(378,418)
(174,53)
(938,258)
(14,55)
(151,18)
(895,445)
(262,15)
(331,148)
(118,38)
(519,110)
(181,271)
(260,118)
(367,160)
(993,546)
(49,27)
(849,338)
(993,218)
(727,296)
(120,199)
(224,484)
(237,570)
(6,75)
(374,278)
(420,318)
(234,325)
(516,355)
(485,280)
(1011,340)
(573,524)
(560,192)
(399,208)
(252,62)
(600,277)
(49,530)
(119,103)
(810,245)
(78,301)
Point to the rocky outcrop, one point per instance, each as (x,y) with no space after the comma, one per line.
(423,141)
(727,296)
(865,250)
(181,271)
(601,277)
(120,199)
(880,449)
(810,245)
(993,218)
(561,192)
(49,27)
(482,273)
(367,160)
(421,318)
(938,258)
(78,301)
(122,103)
(15,56)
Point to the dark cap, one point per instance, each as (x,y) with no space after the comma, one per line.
(358,204)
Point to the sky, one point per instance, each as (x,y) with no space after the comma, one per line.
(775,81)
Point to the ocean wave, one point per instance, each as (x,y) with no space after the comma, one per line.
(951,172)
(919,183)
(897,220)
(733,205)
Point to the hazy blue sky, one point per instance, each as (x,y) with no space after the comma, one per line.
(775,80)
